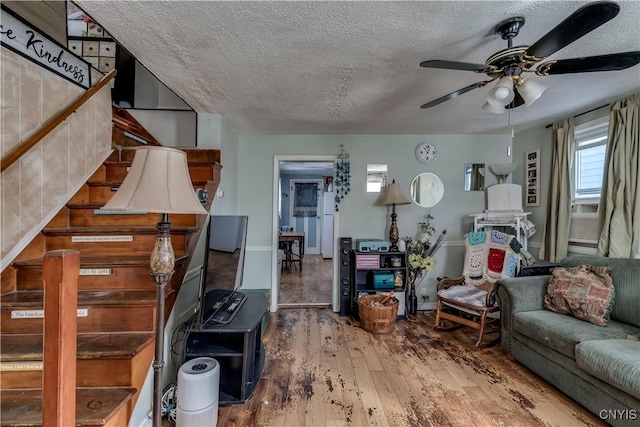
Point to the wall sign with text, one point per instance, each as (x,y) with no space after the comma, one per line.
(21,37)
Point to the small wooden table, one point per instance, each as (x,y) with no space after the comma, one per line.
(286,240)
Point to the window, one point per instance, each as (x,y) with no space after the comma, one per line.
(591,146)
(588,172)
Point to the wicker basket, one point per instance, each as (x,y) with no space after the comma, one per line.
(377,319)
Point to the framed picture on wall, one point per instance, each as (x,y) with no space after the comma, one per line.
(532,178)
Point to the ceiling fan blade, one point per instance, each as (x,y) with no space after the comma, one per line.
(588,64)
(454,94)
(454,65)
(576,25)
(517,101)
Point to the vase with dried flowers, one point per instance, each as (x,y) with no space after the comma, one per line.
(421,260)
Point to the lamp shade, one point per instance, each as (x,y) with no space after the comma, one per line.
(157,182)
(530,90)
(502,93)
(503,168)
(394,195)
(493,108)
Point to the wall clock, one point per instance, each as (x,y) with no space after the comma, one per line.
(426,152)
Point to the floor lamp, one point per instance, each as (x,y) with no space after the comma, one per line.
(394,196)
(158,182)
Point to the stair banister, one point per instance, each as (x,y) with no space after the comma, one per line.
(61,269)
(53,123)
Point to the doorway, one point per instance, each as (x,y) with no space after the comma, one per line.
(302,186)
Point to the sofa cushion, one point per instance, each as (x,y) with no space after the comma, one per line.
(583,291)
(625,274)
(562,333)
(616,362)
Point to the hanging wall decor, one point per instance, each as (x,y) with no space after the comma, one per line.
(532,167)
(343,175)
(305,199)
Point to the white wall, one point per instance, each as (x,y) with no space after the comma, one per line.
(359,217)
(531,139)
(229,148)
(172,128)
(214,132)
(149,92)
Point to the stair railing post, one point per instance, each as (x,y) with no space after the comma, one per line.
(61,269)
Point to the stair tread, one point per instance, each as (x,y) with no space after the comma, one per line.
(93,205)
(110,229)
(99,261)
(104,183)
(125,163)
(193,154)
(28,347)
(85,298)
(94,406)
(88,205)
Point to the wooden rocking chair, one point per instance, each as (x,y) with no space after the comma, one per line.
(468,305)
(470,299)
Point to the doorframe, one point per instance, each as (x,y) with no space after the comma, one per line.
(275,291)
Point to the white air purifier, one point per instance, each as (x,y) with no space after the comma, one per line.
(198,389)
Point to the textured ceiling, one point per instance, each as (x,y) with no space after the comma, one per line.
(330,67)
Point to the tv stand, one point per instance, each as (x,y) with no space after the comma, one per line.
(236,346)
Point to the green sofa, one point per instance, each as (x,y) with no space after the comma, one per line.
(594,365)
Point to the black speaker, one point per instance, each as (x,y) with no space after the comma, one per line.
(345,276)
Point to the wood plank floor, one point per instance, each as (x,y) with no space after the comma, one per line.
(324,370)
(312,285)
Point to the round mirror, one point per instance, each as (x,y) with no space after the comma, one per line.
(426,190)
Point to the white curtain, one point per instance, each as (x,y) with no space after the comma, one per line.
(619,212)
(556,230)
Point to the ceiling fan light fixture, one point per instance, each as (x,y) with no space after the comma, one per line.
(493,108)
(530,90)
(502,93)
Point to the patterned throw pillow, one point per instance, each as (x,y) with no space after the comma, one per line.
(586,292)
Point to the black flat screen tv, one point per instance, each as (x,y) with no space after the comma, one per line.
(224,255)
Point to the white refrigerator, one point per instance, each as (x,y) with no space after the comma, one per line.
(326,241)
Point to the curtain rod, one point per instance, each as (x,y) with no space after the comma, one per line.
(581,114)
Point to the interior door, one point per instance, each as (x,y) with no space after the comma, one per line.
(306,211)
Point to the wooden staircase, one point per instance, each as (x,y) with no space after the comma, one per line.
(116,298)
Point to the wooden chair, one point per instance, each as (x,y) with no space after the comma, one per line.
(468,305)
(470,300)
(289,260)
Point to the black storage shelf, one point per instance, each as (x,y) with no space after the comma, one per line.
(236,346)
(215,342)
(363,275)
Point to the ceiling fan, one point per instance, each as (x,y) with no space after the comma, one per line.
(509,65)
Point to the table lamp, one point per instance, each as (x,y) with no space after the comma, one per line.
(158,182)
(394,196)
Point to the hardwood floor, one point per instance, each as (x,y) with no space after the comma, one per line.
(324,370)
(311,286)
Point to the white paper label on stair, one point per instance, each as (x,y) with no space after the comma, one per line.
(39,314)
(95,271)
(91,239)
(115,212)
(21,366)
